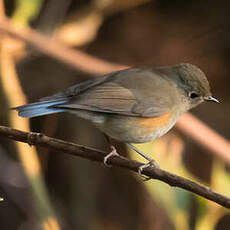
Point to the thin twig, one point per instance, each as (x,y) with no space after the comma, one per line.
(97,155)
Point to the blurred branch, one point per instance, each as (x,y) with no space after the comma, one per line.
(90,64)
(74,58)
(81,31)
(39,139)
(28,157)
(2,10)
(82,27)
(204,135)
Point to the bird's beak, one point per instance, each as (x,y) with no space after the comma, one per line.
(210,98)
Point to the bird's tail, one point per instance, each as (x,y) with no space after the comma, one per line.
(41,108)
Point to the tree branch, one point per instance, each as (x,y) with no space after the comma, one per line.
(39,139)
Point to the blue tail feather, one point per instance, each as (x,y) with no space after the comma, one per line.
(41,108)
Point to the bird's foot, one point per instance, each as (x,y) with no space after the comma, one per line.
(151,163)
(112,153)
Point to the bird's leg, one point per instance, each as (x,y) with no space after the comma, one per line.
(112,153)
(150,163)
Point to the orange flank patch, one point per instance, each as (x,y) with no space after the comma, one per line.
(157,122)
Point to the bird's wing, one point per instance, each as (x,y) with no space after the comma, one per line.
(111,96)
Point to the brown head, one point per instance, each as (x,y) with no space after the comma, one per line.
(192,84)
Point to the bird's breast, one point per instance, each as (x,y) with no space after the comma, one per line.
(137,129)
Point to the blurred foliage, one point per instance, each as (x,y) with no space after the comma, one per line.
(86,195)
(26,10)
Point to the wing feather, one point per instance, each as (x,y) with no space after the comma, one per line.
(118,98)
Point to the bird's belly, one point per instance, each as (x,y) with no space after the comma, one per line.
(137,129)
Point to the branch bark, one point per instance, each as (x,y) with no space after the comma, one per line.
(39,139)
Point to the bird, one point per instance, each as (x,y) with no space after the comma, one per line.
(133,105)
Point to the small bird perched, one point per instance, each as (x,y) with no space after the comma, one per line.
(134,105)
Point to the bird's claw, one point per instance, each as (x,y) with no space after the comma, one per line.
(151,163)
(112,153)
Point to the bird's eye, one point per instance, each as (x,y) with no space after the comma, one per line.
(193,95)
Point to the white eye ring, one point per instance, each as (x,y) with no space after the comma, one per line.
(193,95)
